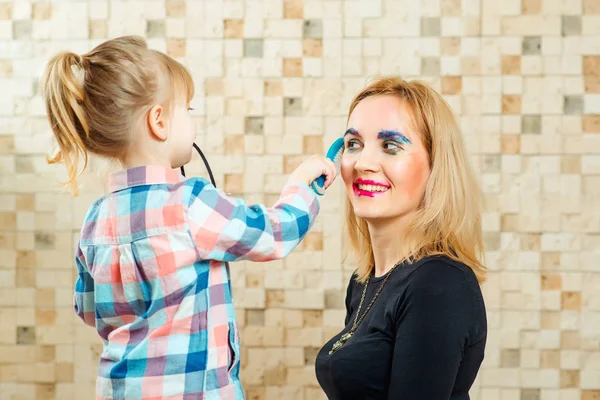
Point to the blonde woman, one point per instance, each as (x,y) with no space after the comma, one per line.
(416,322)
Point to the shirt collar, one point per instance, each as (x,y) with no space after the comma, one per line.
(144,175)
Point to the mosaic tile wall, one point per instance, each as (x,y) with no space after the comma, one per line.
(274,81)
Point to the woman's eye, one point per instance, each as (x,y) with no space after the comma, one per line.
(392,146)
(352,144)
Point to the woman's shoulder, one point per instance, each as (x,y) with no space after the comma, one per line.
(440,271)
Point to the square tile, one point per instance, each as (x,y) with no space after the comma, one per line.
(233,28)
(312,47)
(26,335)
(255,125)
(430,66)
(155,29)
(571,25)
(292,106)
(531,7)
(21,30)
(531,124)
(253,48)
(6,11)
(293,9)
(511,65)
(532,45)
(431,26)
(292,67)
(313,29)
(530,394)
(573,105)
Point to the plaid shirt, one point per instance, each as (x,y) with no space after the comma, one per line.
(153,282)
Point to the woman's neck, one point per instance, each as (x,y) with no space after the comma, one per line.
(386,241)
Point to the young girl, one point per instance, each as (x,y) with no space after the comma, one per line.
(152,278)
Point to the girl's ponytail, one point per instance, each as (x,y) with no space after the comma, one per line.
(64,95)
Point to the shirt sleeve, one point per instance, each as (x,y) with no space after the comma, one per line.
(432,328)
(83,300)
(228,229)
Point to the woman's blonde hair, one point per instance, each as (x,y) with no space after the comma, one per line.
(448,220)
(95,100)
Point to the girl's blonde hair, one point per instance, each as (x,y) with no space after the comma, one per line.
(448,221)
(95,100)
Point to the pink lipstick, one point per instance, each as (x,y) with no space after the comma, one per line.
(369,188)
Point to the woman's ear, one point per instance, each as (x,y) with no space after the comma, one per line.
(157,123)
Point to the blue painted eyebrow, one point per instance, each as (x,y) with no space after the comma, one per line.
(382,135)
(387,135)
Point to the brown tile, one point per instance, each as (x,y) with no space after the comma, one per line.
(45,317)
(275,298)
(312,47)
(275,376)
(491,241)
(255,281)
(5,13)
(8,240)
(510,144)
(509,222)
(590,123)
(312,318)
(176,48)
(313,241)
(511,104)
(26,335)
(450,46)
(234,144)
(531,7)
(310,355)
(571,301)
(451,8)
(45,298)
(550,320)
(551,282)
(293,9)
(233,28)
(470,65)
(45,391)
(8,220)
(312,144)
(590,394)
(451,84)
(45,353)
(7,144)
(273,88)
(176,9)
(42,10)
(234,183)
(255,392)
(530,394)
(570,164)
(290,163)
(530,241)
(292,67)
(25,278)
(25,202)
(511,65)
(26,259)
(550,359)
(570,340)
(550,260)
(591,74)
(334,299)
(255,317)
(589,7)
(510,358)
(213,86)
(569,379)
(98,29)
(6,70)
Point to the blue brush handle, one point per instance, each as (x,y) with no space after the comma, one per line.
(334,154)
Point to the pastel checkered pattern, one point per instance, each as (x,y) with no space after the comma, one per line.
(153,282)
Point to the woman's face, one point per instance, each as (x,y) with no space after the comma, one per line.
(385,166)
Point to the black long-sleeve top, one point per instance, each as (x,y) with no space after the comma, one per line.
(423,339)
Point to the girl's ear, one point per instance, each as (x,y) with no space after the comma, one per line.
(157,123)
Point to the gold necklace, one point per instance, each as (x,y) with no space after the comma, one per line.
(345,337)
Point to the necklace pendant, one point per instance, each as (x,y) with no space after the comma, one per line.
(341,341)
